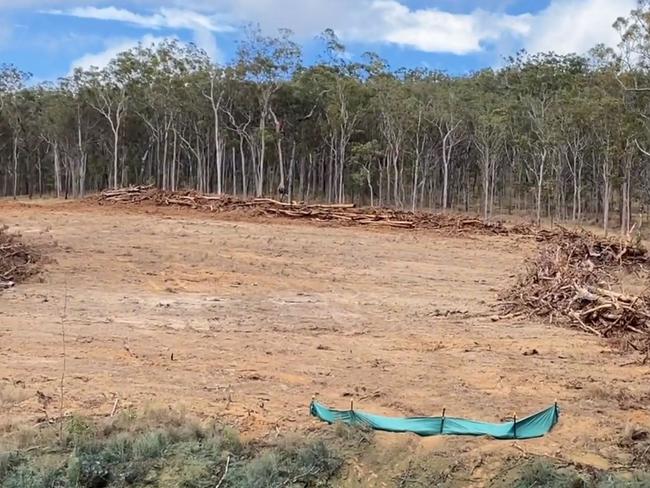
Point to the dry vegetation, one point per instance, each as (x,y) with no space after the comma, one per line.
(244,318)
(341,214)
(573,280)
(17,260)
(570,281)
(162,447)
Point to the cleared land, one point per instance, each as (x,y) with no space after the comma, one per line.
(260,316)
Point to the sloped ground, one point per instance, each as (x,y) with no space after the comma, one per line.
(261,316)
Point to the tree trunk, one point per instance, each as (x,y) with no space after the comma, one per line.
(115,157)
(15,160)
(243,166)
(57,169)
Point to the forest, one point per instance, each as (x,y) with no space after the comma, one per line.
(547,136)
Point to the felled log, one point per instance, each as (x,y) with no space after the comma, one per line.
(343,213)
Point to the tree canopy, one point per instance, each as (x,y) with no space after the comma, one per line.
(555,136)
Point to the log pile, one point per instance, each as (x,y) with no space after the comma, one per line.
(341,214)
(17,261)
(571,281)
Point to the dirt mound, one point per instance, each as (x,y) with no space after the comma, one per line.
(17,260)
(574,280)
(341,214)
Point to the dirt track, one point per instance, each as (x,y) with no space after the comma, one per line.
(261,316)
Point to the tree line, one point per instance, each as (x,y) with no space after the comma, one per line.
(546,135)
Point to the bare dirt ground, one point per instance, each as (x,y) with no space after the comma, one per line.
(261,316)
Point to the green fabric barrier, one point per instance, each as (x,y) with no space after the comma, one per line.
(536,425)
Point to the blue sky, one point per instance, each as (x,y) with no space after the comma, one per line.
(50,37)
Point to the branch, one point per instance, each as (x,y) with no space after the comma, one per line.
(641,149)
(225,472)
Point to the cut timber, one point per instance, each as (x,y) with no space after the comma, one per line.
(336,213)
(333,206)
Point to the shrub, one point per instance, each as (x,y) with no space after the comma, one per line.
(543,474)
(8,462)
(150,445)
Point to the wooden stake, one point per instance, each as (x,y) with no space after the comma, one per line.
(114,406)
(442,420)
(514,423)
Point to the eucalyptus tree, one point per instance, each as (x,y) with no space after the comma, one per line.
(558,136)
(446,108)
(264,62)
(12,104)
(108,95)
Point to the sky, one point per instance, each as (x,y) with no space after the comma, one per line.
(49,38)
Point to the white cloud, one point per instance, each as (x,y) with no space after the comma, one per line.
(203,28)
(6,33)
(206,40)
(170,18)
(304,17)
(432,30)
(564,26)
(113,48)
(575,26)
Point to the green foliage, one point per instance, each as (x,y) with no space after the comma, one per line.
(292,463)
(118,449)
(544,474)
(9,461)
(166,448)
(230,441)
(78,430)
(150,445)
(567,130)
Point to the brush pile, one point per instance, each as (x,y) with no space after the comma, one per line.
(17,261)
(341,214)
(571,281)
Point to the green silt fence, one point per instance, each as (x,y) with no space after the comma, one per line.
(536,425)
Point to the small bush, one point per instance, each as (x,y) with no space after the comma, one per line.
(230,441)
(354,436)
(544,474)
(196,473)
(262,472)
(93,472)
(639,480)
(78,430)
(30,477)
(151,445)
(73,471)
(9,461)
(118,449)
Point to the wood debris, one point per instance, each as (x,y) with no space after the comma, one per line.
(571,281)
(17,261)
(341,214)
